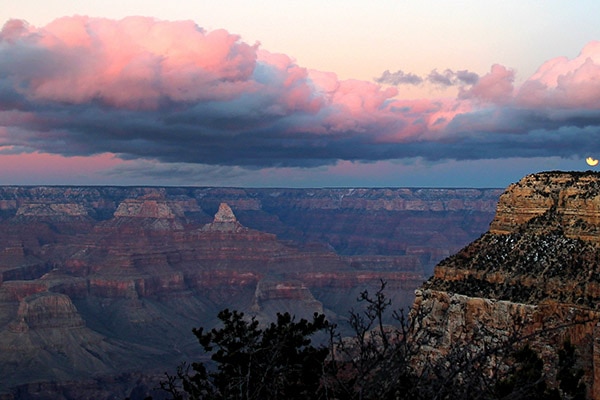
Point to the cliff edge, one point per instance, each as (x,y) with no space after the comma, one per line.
(537,269)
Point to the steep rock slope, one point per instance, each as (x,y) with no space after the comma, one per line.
(536,269)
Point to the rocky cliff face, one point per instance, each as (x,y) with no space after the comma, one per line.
(537,268)
(573,198)
(106,281)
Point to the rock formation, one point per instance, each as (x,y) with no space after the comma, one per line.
(224,221)
(537,269)
(107,281)
(154,210)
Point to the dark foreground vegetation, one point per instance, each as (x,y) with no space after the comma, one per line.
(303,359)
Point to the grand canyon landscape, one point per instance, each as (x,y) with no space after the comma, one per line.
(101,286)
(358,200)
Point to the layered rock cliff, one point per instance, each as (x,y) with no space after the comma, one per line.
(537,269)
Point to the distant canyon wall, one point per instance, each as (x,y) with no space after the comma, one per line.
(426,223)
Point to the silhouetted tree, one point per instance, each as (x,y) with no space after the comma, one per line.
(277,362)
(373,361)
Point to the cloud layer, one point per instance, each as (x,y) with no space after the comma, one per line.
(173,92)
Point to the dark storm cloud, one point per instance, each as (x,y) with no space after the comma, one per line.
(211,99)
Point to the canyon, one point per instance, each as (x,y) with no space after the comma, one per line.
(101,286)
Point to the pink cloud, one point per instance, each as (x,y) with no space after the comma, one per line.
(13,30)
(565,83)
(494,87)
(352,104)
(288,82)
(134,62)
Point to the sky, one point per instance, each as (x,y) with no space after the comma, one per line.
(290,93)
